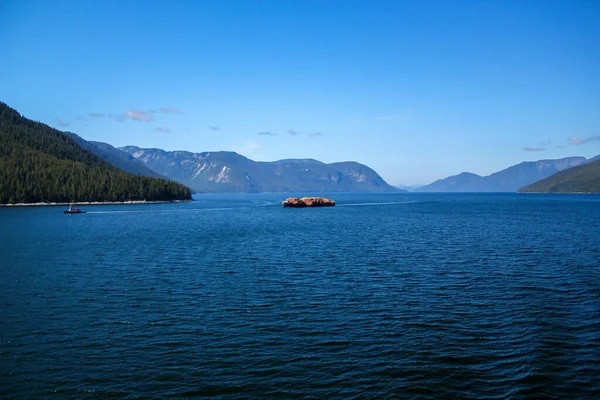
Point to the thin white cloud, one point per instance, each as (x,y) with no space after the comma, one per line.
(392,117)
(62,123)
(578,141)
(315,134)
(292,132)
(96,115)
(170,110)
(162,129)
(533,148)
(138,115)
(267,133)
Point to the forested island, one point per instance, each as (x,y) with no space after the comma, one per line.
(41,164)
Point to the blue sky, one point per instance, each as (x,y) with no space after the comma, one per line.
(417,90)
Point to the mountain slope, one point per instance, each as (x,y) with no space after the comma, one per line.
(507,180)
(224,171)
(582,179)
(594,158)
(41,164)
(114,156)
(463,182)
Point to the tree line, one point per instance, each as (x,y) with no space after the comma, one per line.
(41,164)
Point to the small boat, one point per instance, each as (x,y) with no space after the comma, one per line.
(73,210)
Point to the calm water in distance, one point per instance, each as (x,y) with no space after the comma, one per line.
(232,296)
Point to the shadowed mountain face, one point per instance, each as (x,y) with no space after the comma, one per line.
(582,179)
(508,180)
(224,171)
(464,182)
(114,156)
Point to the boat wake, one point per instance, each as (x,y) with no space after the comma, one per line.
(376,204)
(259,205)
(161,211)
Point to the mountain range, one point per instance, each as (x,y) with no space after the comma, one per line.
(408,188)
(225,171)
(582,179)
(39,163)
(508,180)
(114,156)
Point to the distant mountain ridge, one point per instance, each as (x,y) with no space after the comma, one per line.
(510,179)
(114,156)
(408,188)
(298,161)
(581,179)
(230,172)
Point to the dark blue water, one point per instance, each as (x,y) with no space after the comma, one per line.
(383,296)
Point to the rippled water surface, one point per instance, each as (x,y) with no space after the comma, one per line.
(382,296)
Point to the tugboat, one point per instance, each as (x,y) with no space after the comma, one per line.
(73,210)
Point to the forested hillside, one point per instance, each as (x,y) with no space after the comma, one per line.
(507,180)
(41,164)
(116,157)
(582,179)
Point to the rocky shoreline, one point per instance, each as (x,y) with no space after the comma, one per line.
(94,203)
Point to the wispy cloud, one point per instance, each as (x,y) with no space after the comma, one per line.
(578,141)
(118,117)
(267,133)
(315,134)
(138,115)
(292,132)
(135,114)
(213,128)
(392,117)
(162,129)
(533,148)
(62,123)
(170,110)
